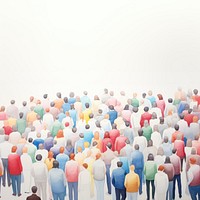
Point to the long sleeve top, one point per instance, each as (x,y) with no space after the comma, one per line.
(57,180)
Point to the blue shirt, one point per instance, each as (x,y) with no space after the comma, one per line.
(112,116)
(65,107)
(137,159)
(57,180)
(62,159)
(118,177)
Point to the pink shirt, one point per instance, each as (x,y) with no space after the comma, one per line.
(180,147)
(175,160)
(72,171)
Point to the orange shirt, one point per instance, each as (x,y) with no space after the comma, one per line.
(132,182)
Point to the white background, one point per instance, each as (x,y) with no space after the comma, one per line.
(50,46)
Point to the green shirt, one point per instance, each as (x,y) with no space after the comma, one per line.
(150,170)
(21,125)
(147,131)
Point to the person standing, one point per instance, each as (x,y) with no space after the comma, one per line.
(5,149)
(34,196)
(150,170)
(169,170)
(107,157)
(39,172)
(118,178)
(71,173)
(161,183)
(193,175)
(132,184)
(176,161)
(26,165)
(84,183)
(137,159)
(99,172)
(57,182)
(15,170)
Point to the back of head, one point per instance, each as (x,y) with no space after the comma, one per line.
(114,126)
(72,156)
(98,156)
(14,149)
(150,157)
(166,139)
(161,168)
(140,132)
(109,145)
(38,157)
(85,93)
(62,149)
(21,114)
(174,151)
(55,164)
(12,102)
(65,99)
(170,100)
(127,123)
(135,109)
(132,168)
(87,105)
(58,94)
(146,109)
(195,91)
(119,164)
(45,96)
(160,97)
(24,103)
(181,116)
(167,159)
(176,127)
(136,147)
(85,165)
(34,189)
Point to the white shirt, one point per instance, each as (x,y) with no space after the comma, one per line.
(5,149)
(14,137)
(26,162)
(39,171)
(141,141)
(156,138)
(43,152)
(48,120)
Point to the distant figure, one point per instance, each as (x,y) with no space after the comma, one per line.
(34,196)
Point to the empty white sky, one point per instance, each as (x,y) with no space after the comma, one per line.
(50,46)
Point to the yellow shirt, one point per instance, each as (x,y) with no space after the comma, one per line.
(49,163)
(132,182)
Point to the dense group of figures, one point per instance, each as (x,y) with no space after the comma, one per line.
(78,147)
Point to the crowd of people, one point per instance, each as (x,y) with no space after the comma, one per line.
(78,147)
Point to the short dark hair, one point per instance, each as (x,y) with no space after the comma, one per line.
(34,189)
(55,164)
(119,164)
(39,157)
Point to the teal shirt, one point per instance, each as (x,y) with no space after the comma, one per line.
(147,131)
(21,125)
(150,170)
(56,127)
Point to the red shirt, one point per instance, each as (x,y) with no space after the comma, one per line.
(180,148)
(105,141)
(14,164)
(7,130)
(189,118)
(120,143)
(174,136)
(145,116)
(114,133)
